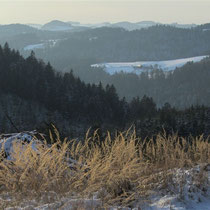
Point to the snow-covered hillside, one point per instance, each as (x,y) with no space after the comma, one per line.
(146,66)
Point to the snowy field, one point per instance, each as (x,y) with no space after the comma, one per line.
(34,46)
(45,44)
(185,193)
(146,66)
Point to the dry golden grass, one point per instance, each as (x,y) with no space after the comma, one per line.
(119,170)
(37,170)
(127,167)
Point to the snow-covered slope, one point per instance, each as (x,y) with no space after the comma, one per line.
(146,66)
(46,44)
(186,191)
(34,46)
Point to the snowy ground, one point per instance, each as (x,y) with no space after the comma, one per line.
(145,66)
(185,193)
(34,46)
(49,43)
(187,189)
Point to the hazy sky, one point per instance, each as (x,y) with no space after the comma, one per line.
(165,11)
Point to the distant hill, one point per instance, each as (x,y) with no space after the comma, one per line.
(57,25)
(20,36)
(73,22)
(130,26)
(134,26)
(204,27)
(37,26)
(147,22)
(15,29)
(156,43)
(183,25)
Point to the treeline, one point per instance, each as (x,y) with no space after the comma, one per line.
(33,94)
(31,79)
(149,120)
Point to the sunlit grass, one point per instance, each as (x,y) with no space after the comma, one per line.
(119,169)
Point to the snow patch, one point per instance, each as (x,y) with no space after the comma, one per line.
(186,192)
(7,140)
(93,38)
(34,46)
(46,43)
(146,66)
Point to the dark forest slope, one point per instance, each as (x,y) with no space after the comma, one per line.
(32,94)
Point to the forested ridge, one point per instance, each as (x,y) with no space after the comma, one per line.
(33,95)
(185,87)
(31,79)
(118,45)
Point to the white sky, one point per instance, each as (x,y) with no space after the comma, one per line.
(165,11)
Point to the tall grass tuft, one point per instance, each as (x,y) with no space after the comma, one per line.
(118,169)
(35,168)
